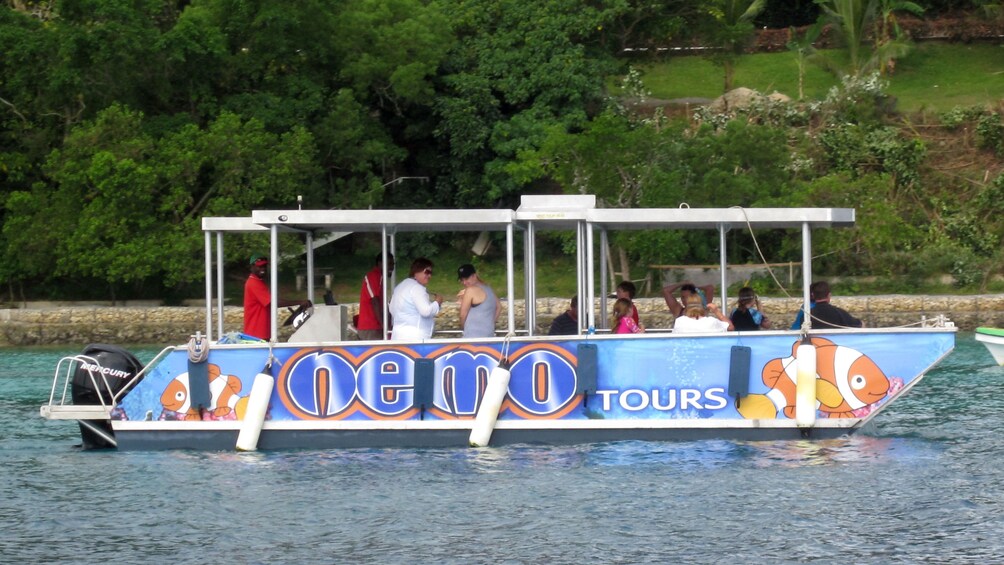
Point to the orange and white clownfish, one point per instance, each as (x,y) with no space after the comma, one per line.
(846,380)
(223,389)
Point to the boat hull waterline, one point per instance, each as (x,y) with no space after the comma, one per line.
(993,339)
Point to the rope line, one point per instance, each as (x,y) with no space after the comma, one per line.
(766,264)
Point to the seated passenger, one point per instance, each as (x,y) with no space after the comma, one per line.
(825,315)
(686,288)
(567,323)
(627,290)
(800,316)
(747,315)
(694,318)
(621,320)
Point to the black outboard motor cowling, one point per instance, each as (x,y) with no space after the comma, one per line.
(95,384)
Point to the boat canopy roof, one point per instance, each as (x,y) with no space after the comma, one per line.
(545,212)
(393,220)
(712,218)
(536,212)
(230,224)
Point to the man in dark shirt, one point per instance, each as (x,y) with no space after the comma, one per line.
(826,315)
(567,323)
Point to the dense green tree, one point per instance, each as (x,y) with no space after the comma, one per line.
(359,74)
(124,121)
(641,27)
(123,207)
(519,67)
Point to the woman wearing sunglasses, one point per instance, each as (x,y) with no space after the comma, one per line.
(412,308)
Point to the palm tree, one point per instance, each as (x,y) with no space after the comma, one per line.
(889,42)
(732,30)
(805,51)
(853,19)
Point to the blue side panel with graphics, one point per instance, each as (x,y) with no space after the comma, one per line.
(651,377)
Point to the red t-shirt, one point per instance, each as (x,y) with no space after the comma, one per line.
(372,288)
(257,313)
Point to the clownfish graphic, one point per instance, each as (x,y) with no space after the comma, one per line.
(846,381)
(223,388)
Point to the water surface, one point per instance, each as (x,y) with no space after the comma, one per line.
(923,483)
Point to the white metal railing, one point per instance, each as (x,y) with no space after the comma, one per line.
(60,405)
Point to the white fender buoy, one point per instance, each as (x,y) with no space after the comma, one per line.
(488,412)
(805,386)
(254,417)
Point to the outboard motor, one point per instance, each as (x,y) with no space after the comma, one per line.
(97,383)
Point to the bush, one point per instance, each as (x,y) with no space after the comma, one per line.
(959,115)
(990,133)
(860,150)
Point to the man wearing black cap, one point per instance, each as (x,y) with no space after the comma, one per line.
(258,300)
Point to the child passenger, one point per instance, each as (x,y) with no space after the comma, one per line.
(747,315)
(621,320)
(627,290)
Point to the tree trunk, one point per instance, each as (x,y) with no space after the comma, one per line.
(625,264)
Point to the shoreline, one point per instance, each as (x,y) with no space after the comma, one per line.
(159,325)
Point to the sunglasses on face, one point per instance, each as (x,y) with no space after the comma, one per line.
(427,271)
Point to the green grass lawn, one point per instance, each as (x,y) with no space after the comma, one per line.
(933,77)
(938,77)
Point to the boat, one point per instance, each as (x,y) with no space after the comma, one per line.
(993,338)
(320,389)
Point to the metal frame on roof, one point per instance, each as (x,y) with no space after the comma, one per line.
(536,212)
(579,212)
(391,220)
(388,223)
(712,218)
(219,225)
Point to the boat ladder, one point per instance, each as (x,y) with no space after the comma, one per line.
(61,407)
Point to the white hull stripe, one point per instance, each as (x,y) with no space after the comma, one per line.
(842,361)
(439,425)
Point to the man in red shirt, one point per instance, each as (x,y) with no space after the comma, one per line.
(371,301)
(258,300)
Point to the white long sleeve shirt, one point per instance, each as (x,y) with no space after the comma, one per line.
(413,313)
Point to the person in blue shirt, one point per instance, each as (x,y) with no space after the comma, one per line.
(800,316)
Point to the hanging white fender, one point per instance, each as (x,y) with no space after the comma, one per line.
(254,417)
(488,412)
(805,386)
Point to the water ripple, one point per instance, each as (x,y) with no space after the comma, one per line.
(922,484)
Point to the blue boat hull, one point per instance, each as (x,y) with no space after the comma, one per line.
(569,390)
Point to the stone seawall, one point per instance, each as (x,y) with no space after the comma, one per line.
(77,326)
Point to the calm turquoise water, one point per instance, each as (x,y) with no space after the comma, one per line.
(924,483)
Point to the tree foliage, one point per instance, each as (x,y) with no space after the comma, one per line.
(123,122)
